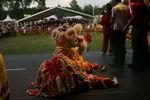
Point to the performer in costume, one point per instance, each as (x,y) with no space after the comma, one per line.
(4,90)
(67,71)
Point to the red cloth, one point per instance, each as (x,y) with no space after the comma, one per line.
(106,23)
(140,12)
(88,38)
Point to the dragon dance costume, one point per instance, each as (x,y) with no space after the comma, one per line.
(67,70)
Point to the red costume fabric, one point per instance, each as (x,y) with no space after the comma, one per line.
(71,68)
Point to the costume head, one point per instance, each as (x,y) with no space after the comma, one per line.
(78,28)
(69,38)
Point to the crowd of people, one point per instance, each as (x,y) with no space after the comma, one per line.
(6,28)
(11,28)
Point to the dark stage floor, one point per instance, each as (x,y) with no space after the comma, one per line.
(134,83)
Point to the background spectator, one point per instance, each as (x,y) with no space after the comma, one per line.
(107,29)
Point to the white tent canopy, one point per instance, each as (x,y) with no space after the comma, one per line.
(51,11)
(52,16)
(7,19)
(76,17)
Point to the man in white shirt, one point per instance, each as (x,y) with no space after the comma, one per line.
(120,17)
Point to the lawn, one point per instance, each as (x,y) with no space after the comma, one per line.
(40,44)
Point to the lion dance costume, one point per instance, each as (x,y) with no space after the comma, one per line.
(4,90)
(67,71)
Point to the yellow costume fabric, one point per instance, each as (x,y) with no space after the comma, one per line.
(4,91)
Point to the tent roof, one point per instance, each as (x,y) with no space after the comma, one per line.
(8,19)
(52,16)
(52,11)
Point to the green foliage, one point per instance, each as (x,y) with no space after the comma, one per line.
(27,45)
(74,5)
(16,13)
(17,8)
(17,4)
(2,3)
(33,10)
(41,3)
(125,2)
(88,9)
(98,10)
(3,14)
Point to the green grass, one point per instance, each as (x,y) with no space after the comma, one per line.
(96,43)
(40,44)
(36,44)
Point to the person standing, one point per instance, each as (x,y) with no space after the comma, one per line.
(120,17)
(107,29)
(139,21)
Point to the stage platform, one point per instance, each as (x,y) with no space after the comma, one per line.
(134,83)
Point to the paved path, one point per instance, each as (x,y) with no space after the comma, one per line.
(134,83)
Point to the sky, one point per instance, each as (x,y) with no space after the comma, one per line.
(81,3)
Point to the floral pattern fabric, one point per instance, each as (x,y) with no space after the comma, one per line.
(72,71)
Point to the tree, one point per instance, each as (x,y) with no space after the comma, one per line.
(112,3)
(17,4)
(125,2)
(17,13)
(3,5)
(98,10)
(3,14)
(88,9)
(74,6)
(16,7)
(41,3)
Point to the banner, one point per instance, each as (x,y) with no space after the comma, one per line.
(27,15)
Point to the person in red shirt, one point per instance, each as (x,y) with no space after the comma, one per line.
(139,20)
(107,29)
